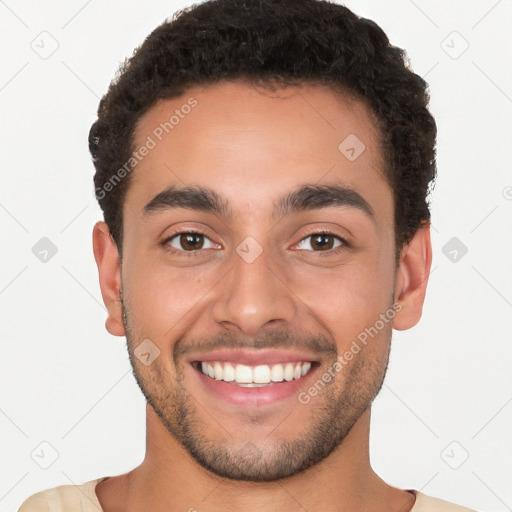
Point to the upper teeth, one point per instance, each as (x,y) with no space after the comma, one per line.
(261,374)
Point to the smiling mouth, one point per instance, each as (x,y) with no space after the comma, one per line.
(254,376)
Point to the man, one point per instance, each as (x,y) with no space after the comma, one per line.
(263,169)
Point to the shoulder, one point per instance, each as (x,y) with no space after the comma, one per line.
(425,503)
(64,498)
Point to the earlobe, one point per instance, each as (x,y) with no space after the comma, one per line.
(412,278)
(109,270)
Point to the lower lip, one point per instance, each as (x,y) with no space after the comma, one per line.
(257,396)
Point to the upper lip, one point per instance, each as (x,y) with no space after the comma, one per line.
(253,357)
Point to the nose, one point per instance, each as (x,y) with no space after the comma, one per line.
(254,294)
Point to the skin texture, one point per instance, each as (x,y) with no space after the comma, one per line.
(252,146)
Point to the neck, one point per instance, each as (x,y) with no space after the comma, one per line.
(169,480)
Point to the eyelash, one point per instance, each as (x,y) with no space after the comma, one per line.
(190,254)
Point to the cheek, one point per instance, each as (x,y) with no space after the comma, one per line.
(348,299)
(161,296)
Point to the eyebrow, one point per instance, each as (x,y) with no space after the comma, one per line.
(306,197)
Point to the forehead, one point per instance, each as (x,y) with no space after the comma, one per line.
(252,144)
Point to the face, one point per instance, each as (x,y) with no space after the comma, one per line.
(258,246)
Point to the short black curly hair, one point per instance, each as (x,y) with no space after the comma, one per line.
(272,42)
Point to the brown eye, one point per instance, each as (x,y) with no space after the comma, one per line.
(190,241)
(321,242)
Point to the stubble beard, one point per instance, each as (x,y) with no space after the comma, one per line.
(333,414)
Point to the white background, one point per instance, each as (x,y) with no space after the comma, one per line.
(67,382)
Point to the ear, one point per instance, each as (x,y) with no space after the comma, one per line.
(412,278)
(109,269)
